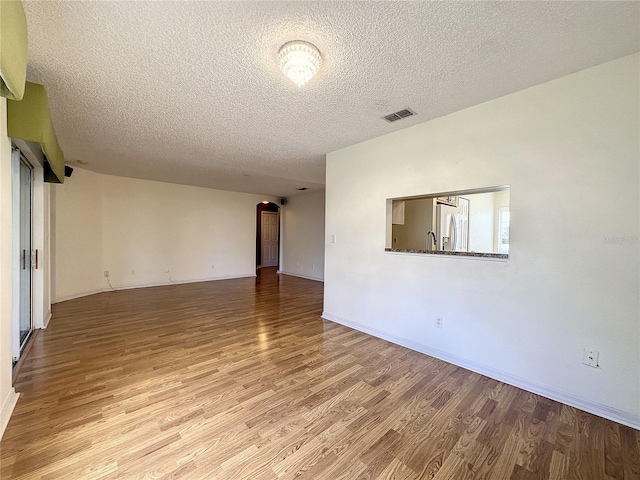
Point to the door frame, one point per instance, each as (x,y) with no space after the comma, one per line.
(32,154)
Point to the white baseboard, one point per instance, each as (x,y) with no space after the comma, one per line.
(47,319)
(44,323)
(179,282)
(64,298)
(300,276)
(605,411)
(7,409)
(147,285)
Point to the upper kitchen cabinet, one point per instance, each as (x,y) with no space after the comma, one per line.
(451,200)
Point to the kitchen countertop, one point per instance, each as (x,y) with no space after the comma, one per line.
(453,254)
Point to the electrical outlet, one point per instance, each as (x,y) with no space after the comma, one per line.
(439,322)
(590,357)
(333,239)
(106,273)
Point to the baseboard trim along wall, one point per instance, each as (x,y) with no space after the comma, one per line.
(147,285)
(7,409)
(79,295)
(47,319)
(300,276)
(600,410)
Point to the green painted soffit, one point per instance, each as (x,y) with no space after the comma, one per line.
(30,119)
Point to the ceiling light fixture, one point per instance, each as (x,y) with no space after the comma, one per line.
(299,61)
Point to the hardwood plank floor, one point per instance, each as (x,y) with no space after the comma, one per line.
(242,379)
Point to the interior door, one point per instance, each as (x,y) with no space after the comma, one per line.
(269,239)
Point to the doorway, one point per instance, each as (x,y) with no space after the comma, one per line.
(267,235)
(22,185)
(269,239)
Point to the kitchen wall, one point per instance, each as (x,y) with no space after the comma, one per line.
(500,201)
(148,233)
(418,220)
(482,222)
(303,236)
(570,150)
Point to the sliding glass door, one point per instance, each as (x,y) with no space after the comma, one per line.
(23,251)
(26,181)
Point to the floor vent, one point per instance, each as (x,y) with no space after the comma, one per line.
(399,115)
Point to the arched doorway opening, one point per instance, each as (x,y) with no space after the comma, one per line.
(267,235)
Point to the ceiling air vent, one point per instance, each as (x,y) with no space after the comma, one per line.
(399,115)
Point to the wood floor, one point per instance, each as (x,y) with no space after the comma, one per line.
(242,379)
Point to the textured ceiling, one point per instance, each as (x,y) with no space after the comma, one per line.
(189,92)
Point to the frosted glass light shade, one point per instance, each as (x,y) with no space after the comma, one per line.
(299,61)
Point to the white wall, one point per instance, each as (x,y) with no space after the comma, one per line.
(303,236)
(570,150)
(76,221)
(46,261)
(148,233)
(8,396)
